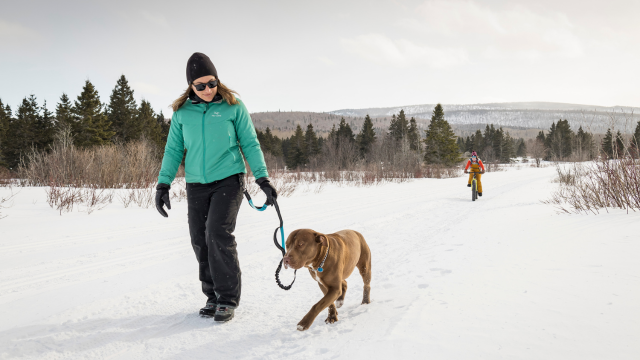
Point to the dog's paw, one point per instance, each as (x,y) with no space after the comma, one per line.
(331,319)
(302,326)
(339,303)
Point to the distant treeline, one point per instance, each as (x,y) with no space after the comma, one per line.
(401,145)
(562,143)
(90,122)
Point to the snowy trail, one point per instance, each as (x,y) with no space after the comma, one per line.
(502,278)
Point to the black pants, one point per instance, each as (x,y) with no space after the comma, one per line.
(213,209)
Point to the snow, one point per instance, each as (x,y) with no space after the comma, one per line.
(505,277)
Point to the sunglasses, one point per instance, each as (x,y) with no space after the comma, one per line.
(211,84)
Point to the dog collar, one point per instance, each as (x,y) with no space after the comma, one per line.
(320,269)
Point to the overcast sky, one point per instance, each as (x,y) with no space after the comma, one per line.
(327,55)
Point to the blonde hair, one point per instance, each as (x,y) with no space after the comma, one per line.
(226,93)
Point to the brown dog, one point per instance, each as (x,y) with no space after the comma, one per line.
(337,254)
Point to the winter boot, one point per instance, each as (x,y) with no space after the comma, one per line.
(208,310)
(223,313)
(479,194)
(468,185)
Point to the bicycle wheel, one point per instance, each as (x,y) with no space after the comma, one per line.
(474,193)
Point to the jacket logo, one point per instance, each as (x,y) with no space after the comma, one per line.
(216,114)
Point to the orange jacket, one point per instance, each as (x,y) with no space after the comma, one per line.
(479,164)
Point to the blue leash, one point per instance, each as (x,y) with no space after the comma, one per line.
(275,238)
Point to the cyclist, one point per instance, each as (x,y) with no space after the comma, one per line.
(476,165)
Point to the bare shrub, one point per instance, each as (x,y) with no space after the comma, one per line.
(441,172)
(602,184)
(89,176)
(132,165)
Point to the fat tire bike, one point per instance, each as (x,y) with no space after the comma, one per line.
(474,186)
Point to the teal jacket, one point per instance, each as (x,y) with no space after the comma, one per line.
(212,134)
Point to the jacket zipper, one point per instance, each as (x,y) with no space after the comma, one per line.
(204,145)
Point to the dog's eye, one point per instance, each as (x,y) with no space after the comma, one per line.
(300,244)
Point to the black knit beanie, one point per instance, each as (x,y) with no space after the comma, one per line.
(199,65)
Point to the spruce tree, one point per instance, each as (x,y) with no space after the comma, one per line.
(414,136)
(5,119)
(64,115)
(619,147)
(607,144)
(92,125)
(366,137)
(634,143)
(478,143)
(584,145)
(311,147)
(344,132)
(522,148)
(440,141)
(22,133)
(461,144)
(399,128)
(164,129)
(498,144)
(45,128)
(122,112)
(508,148)
(296,156)
(148,121)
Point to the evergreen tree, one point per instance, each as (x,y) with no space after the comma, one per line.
(522,148)
(619,147)
(541,137)
(608,145)
(468,143)
(5,120)
(508,150)
(64,115)
(366,137)
(440,141)
(477,144)
(559,140)
(461,144)
(635,140)
(92,125)
(499,144)
(148,121)
(344,132)
(634,143)
(414,136)
(584,145)
(311,147)
(45,128)
(296,156)
(488,147)
(399,127)
(22,132)
(123,112)
(164,129)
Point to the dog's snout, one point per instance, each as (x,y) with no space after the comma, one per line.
(286,260)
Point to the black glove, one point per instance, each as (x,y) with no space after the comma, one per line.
(162,198)
(268,189)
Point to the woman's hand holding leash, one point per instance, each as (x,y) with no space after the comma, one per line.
(268,189)
(162,198)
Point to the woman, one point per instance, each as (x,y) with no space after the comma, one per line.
(212,124)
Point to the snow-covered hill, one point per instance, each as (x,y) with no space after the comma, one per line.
(505,277)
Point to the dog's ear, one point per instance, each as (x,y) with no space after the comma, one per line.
(321,239)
